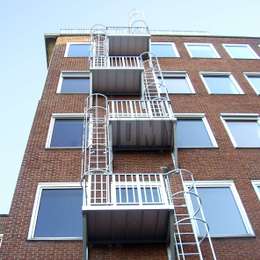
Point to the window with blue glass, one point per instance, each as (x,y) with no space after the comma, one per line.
(59,213)
(78,50)
(201,50)
(254,80)
(67,132)
(74,84)
(221,83)
(164,50)
(243,131)
(240,51)
(223,211)
(194,132)
(177,83)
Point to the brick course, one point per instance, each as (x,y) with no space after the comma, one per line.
(222,163)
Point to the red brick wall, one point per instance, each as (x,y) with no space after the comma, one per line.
(223,163)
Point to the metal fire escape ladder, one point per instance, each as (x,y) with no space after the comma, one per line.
(99,46)
(191,232)
(153,78)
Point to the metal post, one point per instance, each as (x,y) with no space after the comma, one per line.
(85,237)
(171,246)
(175,149)
(172,255)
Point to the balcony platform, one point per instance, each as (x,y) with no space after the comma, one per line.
(117,76)
(128,225)
(142,125)
(127,208)
(128,41)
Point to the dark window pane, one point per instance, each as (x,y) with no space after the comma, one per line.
(245,133)
(67,133)
(192,133)
(221,212)
(163,50)
(59,213)
(202,51)
(75,85)
(79,50)
(221,84)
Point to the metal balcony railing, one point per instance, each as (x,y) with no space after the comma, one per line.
(122,30)
(115,62)
(122,189)
(139,109)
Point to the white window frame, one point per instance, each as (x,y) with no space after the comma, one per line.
(256,185)
(74,43)
(225,45)
(51,128)
(74,74)
(223,184)
(238,117)
(174,48)
(43,186)
(187,44)
(212,73)
(1,239)
(169,74)
(206,124)
(246,74)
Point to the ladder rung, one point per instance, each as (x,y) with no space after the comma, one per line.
(184,233)
(186,243)
(187,254)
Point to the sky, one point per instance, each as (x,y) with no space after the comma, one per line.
(23,66)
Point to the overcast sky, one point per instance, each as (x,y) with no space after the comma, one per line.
(23,62)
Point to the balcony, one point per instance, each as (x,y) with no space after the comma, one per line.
(127,208)
(128,41)
(141,125)
(116,75)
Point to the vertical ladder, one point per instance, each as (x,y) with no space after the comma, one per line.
(189,222)
(152,76)
(96,143)
(99,46)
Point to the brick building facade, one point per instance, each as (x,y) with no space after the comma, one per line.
(219,164)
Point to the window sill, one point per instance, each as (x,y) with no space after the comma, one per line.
(206,58)
(63,148)
(206,148)
(53,238)
(233,236)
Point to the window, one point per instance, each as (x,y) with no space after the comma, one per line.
(127,195)
(201,50)
(163,49)
(193,131)
(178,83)
(220,83)
(1,239)
(223,210)
(240,51)
(138,194)
(254,80)
(57,212)
(243,129)
(256,185)
(77,49)
(74,82)
(65,131)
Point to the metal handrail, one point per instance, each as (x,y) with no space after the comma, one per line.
(139,109)
(123,62)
